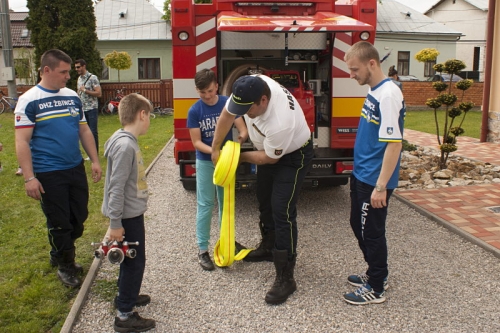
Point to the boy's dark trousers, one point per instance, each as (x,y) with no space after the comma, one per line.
(132,269)
(368,225)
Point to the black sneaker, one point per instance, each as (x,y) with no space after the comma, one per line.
(205,261)
(134,323)
(142,300)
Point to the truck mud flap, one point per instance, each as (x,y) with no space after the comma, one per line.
(188,174)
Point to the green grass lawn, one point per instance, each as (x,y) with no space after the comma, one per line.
(32,298)
(424,121)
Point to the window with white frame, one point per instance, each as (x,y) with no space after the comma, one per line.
(404,63)
(149,68)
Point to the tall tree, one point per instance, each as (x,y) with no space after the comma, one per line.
(68,25)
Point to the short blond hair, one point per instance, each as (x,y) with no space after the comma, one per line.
(130,106)
(364,51)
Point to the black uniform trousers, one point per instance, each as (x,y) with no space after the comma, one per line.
(278,187)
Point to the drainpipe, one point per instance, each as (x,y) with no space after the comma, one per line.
(487,69)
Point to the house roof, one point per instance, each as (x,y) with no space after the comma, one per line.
(20,33)
(130,20)
(394,17)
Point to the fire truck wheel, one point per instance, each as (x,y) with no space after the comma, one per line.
(244,69)
(189,185)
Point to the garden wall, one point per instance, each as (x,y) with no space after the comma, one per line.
(416,93)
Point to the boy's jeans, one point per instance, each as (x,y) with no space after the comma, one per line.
(132,269)
(205,195)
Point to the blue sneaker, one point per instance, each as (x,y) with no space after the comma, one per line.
(358,280)
(365,295)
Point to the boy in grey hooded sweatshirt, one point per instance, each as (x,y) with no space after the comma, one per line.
(125,202)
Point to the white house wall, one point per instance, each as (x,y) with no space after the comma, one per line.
(136,50)
(471,21)
(387,42)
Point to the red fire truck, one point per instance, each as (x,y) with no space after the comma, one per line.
(300,44)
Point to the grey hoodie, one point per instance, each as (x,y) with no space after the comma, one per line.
(125,189)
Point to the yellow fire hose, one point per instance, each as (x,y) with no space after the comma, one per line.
(225,175)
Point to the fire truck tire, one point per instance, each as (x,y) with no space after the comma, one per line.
(189,185)
(235,74)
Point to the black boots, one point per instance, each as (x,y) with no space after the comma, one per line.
(67,269)
(77,267)
(264,252)
(284,284)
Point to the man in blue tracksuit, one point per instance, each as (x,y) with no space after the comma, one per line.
(377,154)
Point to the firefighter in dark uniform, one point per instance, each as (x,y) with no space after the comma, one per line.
(282,139)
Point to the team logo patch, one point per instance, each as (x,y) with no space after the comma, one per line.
(278,152)
(390,130)
(73,112)
(18,118)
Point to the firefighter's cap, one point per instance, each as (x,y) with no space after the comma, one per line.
(246,90)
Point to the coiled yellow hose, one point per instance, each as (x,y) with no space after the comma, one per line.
(225,175)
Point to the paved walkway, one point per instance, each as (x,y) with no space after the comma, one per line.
(464,209)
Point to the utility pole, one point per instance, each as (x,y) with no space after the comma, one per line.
(8,72)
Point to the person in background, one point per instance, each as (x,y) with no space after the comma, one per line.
(125,202)
(284,151)
(50,124)
(377,152)
(393,75)
(201,121)
(89,90)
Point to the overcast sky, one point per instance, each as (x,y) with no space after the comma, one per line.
(20,5)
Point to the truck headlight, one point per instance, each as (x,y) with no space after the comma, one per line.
(183,35)
(364,35)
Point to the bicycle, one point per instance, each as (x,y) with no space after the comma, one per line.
(4,101)
(111,106)
(163,111)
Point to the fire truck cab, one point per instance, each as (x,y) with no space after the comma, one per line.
(300,44)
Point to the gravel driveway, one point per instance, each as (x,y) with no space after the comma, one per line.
(438,281)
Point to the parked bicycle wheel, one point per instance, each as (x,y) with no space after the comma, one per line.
(163,111)
(105,109)
(2,107)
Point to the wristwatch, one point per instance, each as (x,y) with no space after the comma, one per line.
(380,188)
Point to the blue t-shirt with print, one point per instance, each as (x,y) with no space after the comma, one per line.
(381,122)
(205,117)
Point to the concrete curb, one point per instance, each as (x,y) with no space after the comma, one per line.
(76,309)
(467,236)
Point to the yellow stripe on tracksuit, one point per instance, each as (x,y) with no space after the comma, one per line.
(225,175)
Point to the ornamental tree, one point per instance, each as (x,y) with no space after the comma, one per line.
(447,138)
(119,61)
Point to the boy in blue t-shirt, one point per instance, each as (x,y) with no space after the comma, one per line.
(202,118)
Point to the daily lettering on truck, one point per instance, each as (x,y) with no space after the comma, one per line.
(300,44)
